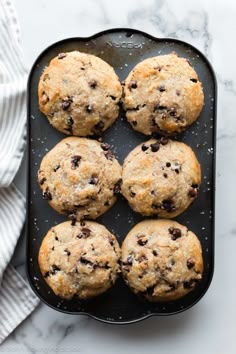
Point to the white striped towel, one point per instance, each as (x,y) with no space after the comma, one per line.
(17,300)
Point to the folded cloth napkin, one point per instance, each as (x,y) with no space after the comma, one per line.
(17,300)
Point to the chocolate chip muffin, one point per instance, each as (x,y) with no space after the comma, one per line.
(79,260)
(161,260)
(161,177)
(162,94)
(79,93)
(80,177)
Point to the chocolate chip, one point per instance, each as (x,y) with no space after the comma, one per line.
(144,147)
(134,123)
(168,205)
(56,167)
(46,275)
(55,269)
(193,80)
(42,180)
(86,232)
(99,126)
(69,121)
(178,92)
(93,84)
(177,171)
(56,238)
(153,121)
(190,263)
(153,192)
(113,97)
(68,253)
(142,240)
(175,232)
(154,206)
(164,140)
(192,193)
(194,185)
(106,203)
(165,175)
(89,108)
(132,194)
(129,260)
(66,104)
(117,187)
(111,240)
(72,216)
(154,252)
(155,147)
(168,164)
(45,98)
(159,108)
(93,180)
(47,195)
(133,84)
(84,260)
(75,161)
(189,284)
(61,55)
(82,223)
(142,258)
(162,88)
(105,146)
(109,155)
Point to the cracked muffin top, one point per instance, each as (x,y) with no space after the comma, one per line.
(79,260)
(162,94)
(80,177)
(79,93)
(161,260)
(161,178)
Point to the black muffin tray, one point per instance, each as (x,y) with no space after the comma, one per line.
(122,49)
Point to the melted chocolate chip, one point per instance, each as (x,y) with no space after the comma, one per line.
(133,84)
(68,253)
(154,252)
(165,175)
(159,108)
(61,55)
(99,126)
(47,195)
(193,80)
(66,104)
(168,164)
(75,160)
(190,263)
(41,182)
(105,146)
(168,205)
(117,187)
(155,147)
(144,147)
(175,233)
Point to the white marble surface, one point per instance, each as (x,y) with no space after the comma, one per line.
(209,327)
